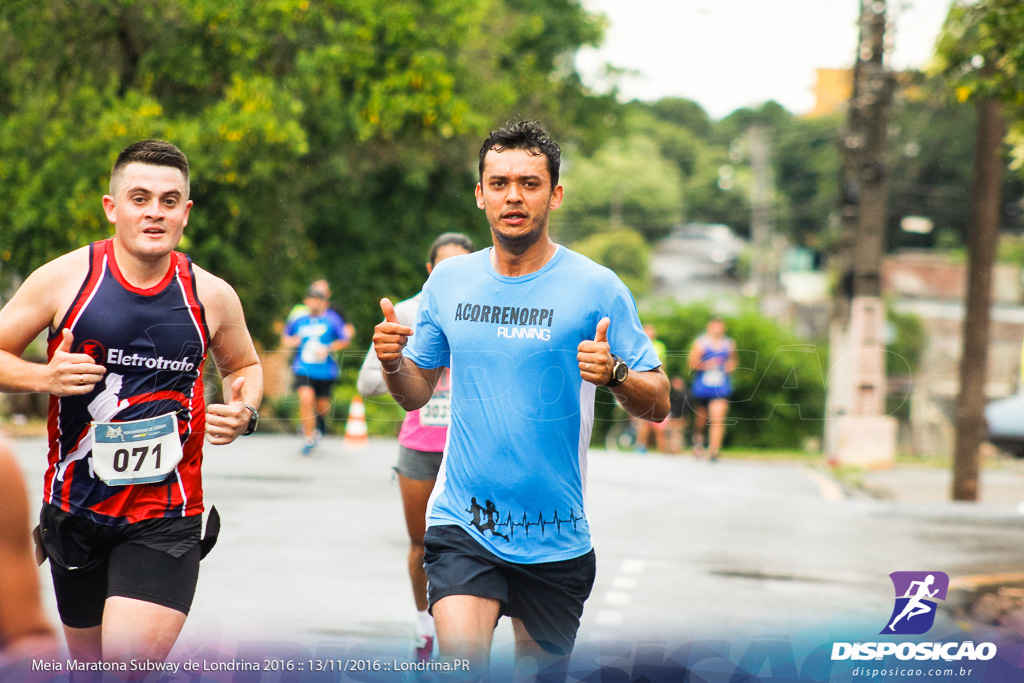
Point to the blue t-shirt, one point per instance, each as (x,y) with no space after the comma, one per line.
(514,468)
(313,359)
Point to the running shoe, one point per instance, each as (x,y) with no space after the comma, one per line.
(307,448)
(424,649)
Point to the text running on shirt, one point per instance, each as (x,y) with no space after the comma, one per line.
(530,323)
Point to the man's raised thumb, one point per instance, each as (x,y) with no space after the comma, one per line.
(66,342)
(234,391)
(389,310)
(602,330)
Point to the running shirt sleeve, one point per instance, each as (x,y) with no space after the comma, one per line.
(428,346)
(292,325)
(626,334)
(337,324)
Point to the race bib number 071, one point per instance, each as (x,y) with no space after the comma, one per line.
(137,452)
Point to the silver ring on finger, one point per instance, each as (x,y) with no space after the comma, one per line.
(587,368)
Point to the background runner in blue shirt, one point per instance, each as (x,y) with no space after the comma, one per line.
(529,329)
(316,335)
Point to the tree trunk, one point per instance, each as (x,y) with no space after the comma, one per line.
(983,233)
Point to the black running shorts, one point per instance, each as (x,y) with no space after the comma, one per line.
(155,560)
(547,597)
(322,388)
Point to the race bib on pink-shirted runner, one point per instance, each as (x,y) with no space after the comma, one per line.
(136,452)
(438,411)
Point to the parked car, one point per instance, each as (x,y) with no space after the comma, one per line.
(713,241)
(1005,418)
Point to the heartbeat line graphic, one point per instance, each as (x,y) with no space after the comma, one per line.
(555,521)
(486,518)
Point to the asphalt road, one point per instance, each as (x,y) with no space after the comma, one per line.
(313,549)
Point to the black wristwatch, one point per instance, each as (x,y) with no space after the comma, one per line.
(254,420)
(620,371)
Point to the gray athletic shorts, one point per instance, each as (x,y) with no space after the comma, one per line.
(418,465)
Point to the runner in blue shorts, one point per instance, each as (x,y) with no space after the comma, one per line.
(712,361)
(529,330)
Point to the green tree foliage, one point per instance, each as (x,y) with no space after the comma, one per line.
(625,252)
(806,162)
(719,190)
(772,115)
(627,182)
(714,189)
(685,114)
(331,138)
(981,54)
(930,165)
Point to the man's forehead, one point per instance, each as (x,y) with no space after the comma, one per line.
(516,162)
(161,179)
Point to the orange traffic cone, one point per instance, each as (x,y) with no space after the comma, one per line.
(355,426)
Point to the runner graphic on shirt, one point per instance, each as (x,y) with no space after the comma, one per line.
(492,517)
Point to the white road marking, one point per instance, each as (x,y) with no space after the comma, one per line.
(625,583)
(609,617)
(618,598)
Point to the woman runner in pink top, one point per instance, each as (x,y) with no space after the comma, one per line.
(420,445)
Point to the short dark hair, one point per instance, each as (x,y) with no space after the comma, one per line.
(447,238)
(153,152)
(526,135)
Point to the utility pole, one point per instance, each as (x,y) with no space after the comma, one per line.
(864,173)
(873,100)
(858,431)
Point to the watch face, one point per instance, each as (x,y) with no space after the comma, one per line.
(620,371)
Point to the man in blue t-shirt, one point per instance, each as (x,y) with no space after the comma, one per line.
(529,329)
(317,334)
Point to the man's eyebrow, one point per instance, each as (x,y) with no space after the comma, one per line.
(521,176)
(145,190)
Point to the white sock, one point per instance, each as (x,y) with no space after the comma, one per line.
(424,623)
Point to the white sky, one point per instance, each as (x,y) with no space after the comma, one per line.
(727,54)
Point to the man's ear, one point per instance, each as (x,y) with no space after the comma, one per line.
(556,198)
(109,205)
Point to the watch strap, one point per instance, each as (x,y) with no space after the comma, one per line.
(254,420)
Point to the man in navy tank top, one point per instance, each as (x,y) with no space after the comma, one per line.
(131,323)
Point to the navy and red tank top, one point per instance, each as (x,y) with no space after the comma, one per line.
(153,343)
